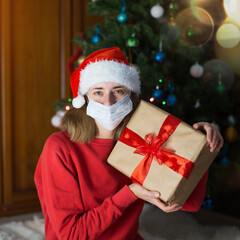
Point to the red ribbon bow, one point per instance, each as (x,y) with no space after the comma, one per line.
(151,148)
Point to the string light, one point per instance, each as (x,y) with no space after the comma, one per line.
(151,99)
(67,108)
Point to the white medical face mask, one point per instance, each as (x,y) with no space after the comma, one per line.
(109,116)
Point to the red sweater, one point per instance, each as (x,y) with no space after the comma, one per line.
(82,197)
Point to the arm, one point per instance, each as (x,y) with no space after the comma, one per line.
(196,198)
(62,197)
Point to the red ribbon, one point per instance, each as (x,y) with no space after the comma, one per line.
(150,147)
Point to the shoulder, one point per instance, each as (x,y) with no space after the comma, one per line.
(58,141)
(59,137)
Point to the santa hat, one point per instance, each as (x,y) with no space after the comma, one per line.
(105,65)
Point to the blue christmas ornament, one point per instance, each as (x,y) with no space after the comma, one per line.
(208,203)
(171,100)
(224,161)
(96,38)
(157,93)
(122,17)
(159,57)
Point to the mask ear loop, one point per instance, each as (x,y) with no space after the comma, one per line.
(130,95)
(86,98)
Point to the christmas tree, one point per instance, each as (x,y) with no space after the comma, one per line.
(172,45)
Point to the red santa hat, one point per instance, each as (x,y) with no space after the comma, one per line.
(105,65)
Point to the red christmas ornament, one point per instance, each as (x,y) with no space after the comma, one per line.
(70,64)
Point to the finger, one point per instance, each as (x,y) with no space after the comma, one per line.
(214,140)
(200,125)
(195,125)
(206,127)
(213,147)
(218,141)
(159,204)
(155,194)
(209,132)
(166,208)
(219,144)
(172,208)
(176,208)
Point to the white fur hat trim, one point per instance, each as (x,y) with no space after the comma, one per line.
(109,71)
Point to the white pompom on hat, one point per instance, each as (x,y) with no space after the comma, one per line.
(105,65)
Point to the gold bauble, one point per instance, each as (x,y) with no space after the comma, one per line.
(81,59)
(231,134)
(171,19)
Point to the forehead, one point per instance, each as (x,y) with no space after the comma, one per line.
(106,85)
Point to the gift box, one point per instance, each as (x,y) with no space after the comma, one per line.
(162,153)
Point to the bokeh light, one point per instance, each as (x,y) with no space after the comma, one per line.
(229,55)
(232,8)
(67,108)
(196,26)
(213,7)
(214,71)
(228,35)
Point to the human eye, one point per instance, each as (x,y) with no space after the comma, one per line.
(97,93)
(119,91)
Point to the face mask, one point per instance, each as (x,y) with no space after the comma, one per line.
(109,116)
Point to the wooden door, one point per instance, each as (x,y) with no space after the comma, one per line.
(35,46)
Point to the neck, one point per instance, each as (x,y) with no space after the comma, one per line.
(104,133)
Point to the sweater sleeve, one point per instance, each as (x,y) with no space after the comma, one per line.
(196,198)
(62,196)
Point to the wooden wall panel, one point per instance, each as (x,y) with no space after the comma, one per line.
(35,46)
(35,56)
(1,151)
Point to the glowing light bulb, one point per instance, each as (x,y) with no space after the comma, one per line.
(232,8)
(151,99)
(67,108)
(228,35)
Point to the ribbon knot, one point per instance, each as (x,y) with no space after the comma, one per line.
(151,148)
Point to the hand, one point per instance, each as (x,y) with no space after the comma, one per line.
(213,135)
(153,198)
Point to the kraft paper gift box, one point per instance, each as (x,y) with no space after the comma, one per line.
(162,153)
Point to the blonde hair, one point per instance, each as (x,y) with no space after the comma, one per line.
(82,128)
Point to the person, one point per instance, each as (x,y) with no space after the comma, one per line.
(81,195)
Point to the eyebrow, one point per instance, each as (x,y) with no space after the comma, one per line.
(99,88)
